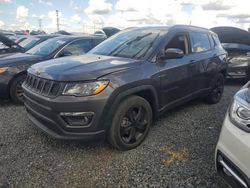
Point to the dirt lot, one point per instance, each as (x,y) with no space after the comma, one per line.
(178,152)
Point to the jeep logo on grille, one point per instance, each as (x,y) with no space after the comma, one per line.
(37,73)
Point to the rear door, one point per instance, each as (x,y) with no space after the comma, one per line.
(201,57)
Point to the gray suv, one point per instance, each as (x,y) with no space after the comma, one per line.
(116,89)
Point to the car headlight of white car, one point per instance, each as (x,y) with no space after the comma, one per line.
(239,111)
(85,89)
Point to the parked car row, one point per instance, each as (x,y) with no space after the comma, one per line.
(13,68)
(9,46)
(118,88)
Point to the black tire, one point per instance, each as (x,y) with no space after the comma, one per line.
(217,90)
(131,123)
(16,91)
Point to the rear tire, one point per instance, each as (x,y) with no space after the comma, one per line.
(217,90)
(131,123)
(16,91)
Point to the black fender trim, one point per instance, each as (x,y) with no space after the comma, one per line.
(121,94)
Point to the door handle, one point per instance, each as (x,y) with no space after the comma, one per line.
(191,63)
(162,75)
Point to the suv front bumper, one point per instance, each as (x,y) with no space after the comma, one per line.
(232,155)
(47,115)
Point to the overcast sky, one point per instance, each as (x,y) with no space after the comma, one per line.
(84,15)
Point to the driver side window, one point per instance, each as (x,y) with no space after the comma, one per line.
(179,41)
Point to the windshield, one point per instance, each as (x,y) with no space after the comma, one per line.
(47,47)
(135,44)
(29,42)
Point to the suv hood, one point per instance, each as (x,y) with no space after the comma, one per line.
(79,68)
(16,59)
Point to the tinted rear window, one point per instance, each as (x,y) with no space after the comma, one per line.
(200,42)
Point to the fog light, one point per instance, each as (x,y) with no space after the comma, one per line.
(77,119)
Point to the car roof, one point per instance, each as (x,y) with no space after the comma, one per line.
(72,37)
(174,28)
(44,36)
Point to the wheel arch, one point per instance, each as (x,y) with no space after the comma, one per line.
(224,72)
(147,92)
(13,78)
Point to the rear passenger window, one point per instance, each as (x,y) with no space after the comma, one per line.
(200,42)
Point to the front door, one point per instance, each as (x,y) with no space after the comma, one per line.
(174,73)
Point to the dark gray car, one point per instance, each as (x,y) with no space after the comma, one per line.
(116,89)
(13,68)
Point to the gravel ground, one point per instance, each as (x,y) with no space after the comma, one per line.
(178,152)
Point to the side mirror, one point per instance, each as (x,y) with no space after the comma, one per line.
(64,54)
(172,53)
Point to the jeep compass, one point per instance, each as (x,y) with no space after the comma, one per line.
(116,89)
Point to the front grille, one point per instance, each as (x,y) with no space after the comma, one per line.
(47,88)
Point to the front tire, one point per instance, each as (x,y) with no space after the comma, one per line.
(131,123)
(16,91)
(217,90)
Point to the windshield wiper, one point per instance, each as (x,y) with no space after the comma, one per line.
(149,46)
(128,43)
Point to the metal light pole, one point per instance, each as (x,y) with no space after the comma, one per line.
(40,24)
(57,20)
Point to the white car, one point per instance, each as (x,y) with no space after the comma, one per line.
(233,148)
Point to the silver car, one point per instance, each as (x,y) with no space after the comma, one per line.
(233,148)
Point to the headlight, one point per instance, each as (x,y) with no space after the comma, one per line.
(3,70)
(85,89)
(240,111)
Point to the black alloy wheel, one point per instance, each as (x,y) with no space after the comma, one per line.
(217,90)
(131,123)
